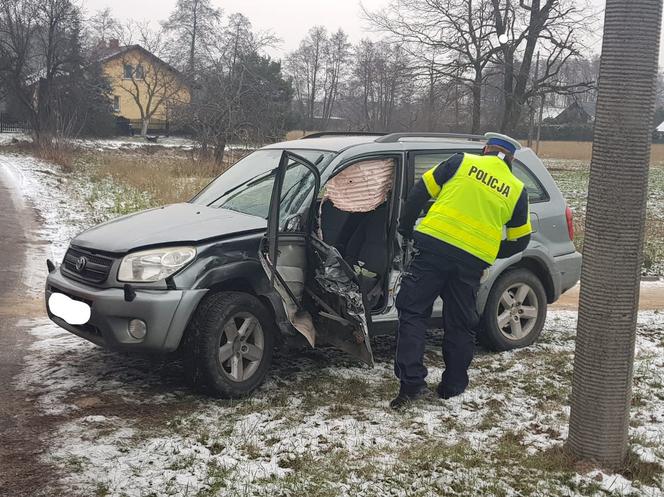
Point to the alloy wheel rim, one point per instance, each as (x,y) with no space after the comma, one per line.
(517,311)
(241,346)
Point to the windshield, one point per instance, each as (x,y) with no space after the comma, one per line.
(247,186)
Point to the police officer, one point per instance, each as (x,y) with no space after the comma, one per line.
(474,198)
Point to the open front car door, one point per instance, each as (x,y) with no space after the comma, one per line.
(320,291)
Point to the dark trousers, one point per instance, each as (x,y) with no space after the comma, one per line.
(431,275)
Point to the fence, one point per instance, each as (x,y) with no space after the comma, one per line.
(9,125)
(156,126)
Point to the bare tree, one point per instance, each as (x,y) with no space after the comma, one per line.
(153,85)
(193,24)
(336,56)
(381,84)
(461,33)
(39,46)
(613,244)
(18,60)
(306,65)
(552,27)
(103,26)
(241,94)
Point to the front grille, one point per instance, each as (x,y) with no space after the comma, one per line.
(95,269)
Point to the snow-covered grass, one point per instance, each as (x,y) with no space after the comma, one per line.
(135,142)
(321,424)
(572,179)
(68,202)
(131,174)
(8,138)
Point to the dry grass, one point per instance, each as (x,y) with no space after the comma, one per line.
(583,150)
(166,179)
(58,152)
(165,176)
(296,134)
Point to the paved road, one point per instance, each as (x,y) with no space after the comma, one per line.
(21,428)
(651,298)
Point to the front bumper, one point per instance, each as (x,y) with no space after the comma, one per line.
(166,313)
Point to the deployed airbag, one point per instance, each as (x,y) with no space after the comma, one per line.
(361,187)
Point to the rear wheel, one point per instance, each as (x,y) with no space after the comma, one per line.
(515,311)
(229,344)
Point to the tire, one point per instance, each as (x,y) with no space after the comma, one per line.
(530,311)
(219,357)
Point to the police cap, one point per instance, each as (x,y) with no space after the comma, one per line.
(504,141)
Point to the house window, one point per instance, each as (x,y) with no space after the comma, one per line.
(128,71)
(139,72)
(116,104)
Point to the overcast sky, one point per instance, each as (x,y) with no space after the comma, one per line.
(289,21)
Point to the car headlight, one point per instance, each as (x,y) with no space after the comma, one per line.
(155,264)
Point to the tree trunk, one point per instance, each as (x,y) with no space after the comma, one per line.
(477,104)
(508,89)
(219,151)
(531,123)
(144,126)
(601,386)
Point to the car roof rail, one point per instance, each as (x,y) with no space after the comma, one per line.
(343,133)
(395,137)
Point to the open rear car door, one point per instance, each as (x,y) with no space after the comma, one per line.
(320,291)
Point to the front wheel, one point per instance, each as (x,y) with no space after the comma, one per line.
(515,311)
(229,344)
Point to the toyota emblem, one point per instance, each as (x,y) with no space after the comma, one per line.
(80,264)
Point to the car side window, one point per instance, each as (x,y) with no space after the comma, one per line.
(424,162)
(536,192)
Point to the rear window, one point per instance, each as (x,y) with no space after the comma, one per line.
(424,162)
(536,192)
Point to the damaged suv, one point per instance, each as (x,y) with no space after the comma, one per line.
(298,239)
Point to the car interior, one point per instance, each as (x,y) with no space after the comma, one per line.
(347,257)
(354,218)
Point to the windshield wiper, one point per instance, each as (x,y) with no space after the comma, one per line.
(241,185)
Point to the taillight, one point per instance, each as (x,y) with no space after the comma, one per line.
(570,223)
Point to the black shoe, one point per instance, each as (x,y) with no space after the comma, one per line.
(444,393)
(403,399)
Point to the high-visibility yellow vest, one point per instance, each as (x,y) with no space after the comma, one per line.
(472,207)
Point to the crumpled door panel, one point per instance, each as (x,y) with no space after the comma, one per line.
(341,319)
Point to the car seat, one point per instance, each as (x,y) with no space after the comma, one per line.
(337,226)
(367,252)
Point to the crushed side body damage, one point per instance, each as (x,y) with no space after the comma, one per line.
(290,295)
(326,308)
(342,318)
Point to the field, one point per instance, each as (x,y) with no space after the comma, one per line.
(583,150)
(571,175)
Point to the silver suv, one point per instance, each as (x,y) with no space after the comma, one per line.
(262,257)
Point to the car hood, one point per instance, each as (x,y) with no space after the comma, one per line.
(177,223)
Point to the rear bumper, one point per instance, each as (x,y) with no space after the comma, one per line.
(568,266)
(166,313)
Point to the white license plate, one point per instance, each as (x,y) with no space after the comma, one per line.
(72,311)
